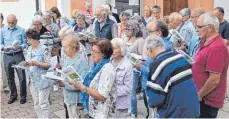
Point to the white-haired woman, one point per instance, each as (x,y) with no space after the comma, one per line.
(124,77)
(76,59)
(134,44)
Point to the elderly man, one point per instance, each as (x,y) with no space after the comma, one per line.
(194,43)
(224,25)
(170,85)
(175,22)
(13,55)
(52,27)
(104,27)
(210,67)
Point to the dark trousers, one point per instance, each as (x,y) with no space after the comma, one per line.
(10,60)
(207,111)
(66,111)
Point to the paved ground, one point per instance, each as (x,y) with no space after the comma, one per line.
(16,110)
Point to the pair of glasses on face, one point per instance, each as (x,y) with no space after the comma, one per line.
(199,27)
(11,23)
(95,52)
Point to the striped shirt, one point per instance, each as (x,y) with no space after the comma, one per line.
(170,87)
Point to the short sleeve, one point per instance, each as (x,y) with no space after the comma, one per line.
(226,32)
(215,61)
(107,79)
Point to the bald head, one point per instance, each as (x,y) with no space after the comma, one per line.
(12,21)
(195,13)
(175,19)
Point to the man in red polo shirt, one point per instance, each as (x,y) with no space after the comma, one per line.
(210,67)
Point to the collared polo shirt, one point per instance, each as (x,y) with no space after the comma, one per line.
(212,57)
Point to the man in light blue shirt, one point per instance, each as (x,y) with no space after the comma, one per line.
(12,44)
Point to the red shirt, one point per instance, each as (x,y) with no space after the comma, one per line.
(212,57)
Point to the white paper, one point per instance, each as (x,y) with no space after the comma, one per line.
(186,56)
(21,65)
(134,58)
(70,74)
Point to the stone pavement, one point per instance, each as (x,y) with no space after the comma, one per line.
(16,110)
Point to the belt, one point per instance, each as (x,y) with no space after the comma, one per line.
(12,54)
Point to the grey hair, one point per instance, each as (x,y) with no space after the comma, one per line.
(65,31)
(119,42)
(155,42)
(156,7)
(210,19)
(185,11)
(103,10)
(137,18)
(80,16)
(126,14)
(38,18)
(107,8)
(47,13)
(135,26)
(198,11)
(176,16)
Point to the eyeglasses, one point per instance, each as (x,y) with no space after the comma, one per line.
(95,52)
(152,32)
(11,23)
(199,27)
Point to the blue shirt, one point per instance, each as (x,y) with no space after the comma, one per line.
(8,36)
(168,43)
(193,45)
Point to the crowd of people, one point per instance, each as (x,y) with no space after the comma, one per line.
(99,46)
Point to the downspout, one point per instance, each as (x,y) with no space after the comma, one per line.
(37,5)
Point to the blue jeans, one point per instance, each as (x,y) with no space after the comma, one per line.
(133,108)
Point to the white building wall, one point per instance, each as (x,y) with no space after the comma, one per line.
(64,7)
(23,9)
(225,5)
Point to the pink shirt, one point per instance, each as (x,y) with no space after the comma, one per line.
(213,57)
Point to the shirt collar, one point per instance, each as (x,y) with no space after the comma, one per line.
(210,41)
(122,63)
(15,28)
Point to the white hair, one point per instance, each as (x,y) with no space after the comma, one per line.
(107,8)
(103,11)
(155,42)
(210,19)
(47,13)
(38,18)
(119,42)
(64,31)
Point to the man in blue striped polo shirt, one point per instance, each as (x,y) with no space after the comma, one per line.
(170,88)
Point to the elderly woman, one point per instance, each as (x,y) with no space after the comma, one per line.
(99,83)
(134,44)
(147,15)
(124,77)
(124,16)
(38,57)
(145,33)
(78,61)
(81,24)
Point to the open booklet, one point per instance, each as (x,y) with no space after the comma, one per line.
(186,56)
(21,65)
(66,74)
(134,58)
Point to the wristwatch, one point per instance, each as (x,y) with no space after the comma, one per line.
(85,90)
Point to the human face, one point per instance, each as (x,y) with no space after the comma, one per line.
(129,32)
(12,22)
(218,15)
(194,18)
(124,20)
(54,15)
(96,54)
(116,52)
(80,23)
(67,48)
(37,26)
(47,19)
(152,29)
(156,14)
(185,17)
(99,15)
(201,28)
(147,12)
